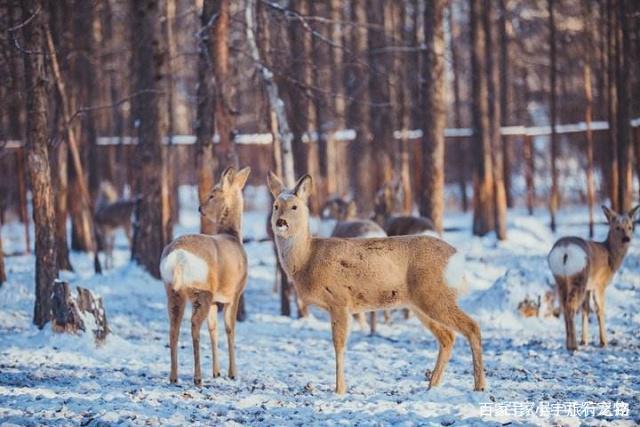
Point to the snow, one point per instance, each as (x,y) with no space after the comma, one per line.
(286,365)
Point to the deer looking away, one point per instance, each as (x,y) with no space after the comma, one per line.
(208,269)
(345,276)
(112,213)
(348,225)
(397,225)
(583,269)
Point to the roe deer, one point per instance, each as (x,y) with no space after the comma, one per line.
(345,276)
(208,269)
(112,213)
(397,225)
(348,225)
(582,268)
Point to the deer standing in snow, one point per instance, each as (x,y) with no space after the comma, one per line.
(112,213)
(208,269)
(397,225)
(584,268)
(345,276)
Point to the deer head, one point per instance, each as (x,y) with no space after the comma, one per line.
(621,226)
(290,212)
(225,199)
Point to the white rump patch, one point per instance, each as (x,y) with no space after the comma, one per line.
(567,260)
(454,273)
(194,269)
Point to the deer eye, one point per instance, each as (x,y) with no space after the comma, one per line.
(294,207)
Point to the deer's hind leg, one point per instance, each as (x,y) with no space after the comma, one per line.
(212,323)
(175,306)
(599,302)
(446,338)
(230,313)
(586,310)
(447,312)
(201,302)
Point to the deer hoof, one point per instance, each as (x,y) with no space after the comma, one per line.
(216,374)
(197,381)
(173,379)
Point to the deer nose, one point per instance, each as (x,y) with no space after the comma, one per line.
(200,209)
(281,222)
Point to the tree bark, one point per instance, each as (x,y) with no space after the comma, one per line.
(461,145)
(148,64)
(612,104)
(3,273)
(59,155)
(38,159)
(623,51)
(435,115)
(493,86)
(358,115)
(588,112)
(337,166)
(381,121)
(505,98)
(483,197)
(554,197)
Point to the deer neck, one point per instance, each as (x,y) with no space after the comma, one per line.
(617,251)
(231,222)
(294,251)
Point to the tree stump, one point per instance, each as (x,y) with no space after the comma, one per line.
(76,315)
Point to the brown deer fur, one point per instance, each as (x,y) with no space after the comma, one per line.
(345,276)
(584,268)
(397,225)
(208,269)
(110,215)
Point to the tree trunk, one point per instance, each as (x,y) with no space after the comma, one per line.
(461,145)
(435,115)
(337,166)
(59,156)
(505,98)
(3,273)
(148,63)
(35,73)
(22,196)
(612,105)
(483,197)
(171,155)
(493,86)
(226,153)
(623,51)
(205,121)
(358,118)
(554,197)
(381,121)
(588,112)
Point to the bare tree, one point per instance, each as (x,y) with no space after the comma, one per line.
(623,52)
(435,115)
(505,95)
(148,62)
(35,72)
(493,86)
(483,196)
(554,197)
(3,273)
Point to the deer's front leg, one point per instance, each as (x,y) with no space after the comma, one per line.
(340,332)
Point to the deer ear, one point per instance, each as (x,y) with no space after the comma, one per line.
(240,178)
(611,215)
(227,177)
(633,213)
(304,187)
(275,184)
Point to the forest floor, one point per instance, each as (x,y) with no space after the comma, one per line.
(286,365)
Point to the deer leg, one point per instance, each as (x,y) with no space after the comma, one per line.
(586,309)
(201,304)
(372,322)
(111,239)
(212,324)
(340,333)
(570,328)
(387,316)
(230,312)
(599,299)
(446,338)
(175,306)
(454,318)
(362,321)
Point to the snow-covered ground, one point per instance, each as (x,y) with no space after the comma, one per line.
(286,366)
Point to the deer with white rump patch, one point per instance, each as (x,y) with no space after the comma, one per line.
(583,269)
(345,276)
(208,269)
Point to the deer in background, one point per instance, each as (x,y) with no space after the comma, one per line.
(112,213)
(208,269)
(348,225)
(346,276)
(397,225)
(583,269)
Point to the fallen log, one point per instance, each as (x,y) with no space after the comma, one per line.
(76,315)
